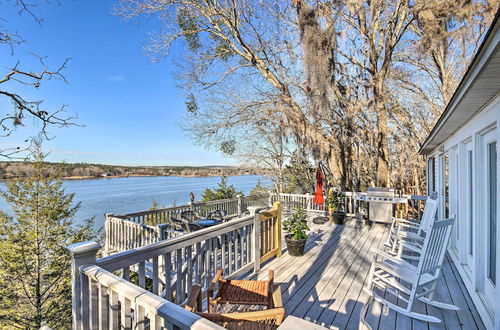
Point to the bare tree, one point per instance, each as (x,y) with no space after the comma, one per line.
(343,77)
(22,107)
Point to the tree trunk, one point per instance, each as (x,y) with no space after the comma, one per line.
(382,131)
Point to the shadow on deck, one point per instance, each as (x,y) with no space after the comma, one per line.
(325,285)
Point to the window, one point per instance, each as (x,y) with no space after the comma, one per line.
(492,210)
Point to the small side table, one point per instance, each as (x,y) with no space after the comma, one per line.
(293,323)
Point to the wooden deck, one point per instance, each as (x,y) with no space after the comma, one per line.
(325,285)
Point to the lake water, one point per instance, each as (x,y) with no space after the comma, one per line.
(126,195)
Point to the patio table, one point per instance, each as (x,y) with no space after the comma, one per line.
(206,222)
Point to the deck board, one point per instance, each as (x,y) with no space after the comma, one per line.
(325,286)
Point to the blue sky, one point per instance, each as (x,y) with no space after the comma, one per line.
(131,107)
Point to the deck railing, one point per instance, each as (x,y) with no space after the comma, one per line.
(351,205)
(412,210)
(137,288)
(129,231)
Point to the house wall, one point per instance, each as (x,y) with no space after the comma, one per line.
(462,180)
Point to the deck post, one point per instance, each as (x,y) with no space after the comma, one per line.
(107,231)
(277,230)
(240,204)
(308,202)
(83,253)
(256,242)
(162,228)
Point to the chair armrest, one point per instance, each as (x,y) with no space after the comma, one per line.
(271,277)
(410,246)
(400,224)
(211,288)
(194,300)
(383,254)
(402,220)
(213,283)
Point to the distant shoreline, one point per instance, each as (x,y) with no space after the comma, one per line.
(83,171)
(134,176)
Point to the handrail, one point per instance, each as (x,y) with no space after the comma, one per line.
(147,306)
(166,270)
(127,258)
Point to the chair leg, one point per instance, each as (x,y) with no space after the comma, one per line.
(439,304)
(405,311)
(364,312)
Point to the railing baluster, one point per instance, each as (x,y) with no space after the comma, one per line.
(230,254)
(125,313)
(114,310)
(167,261)
(142,274)
(178,287)
(103,308)
(126,273)
(139,318)
(94,304)
(155,276)
(198,263)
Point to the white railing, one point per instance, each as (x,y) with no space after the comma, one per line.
(351,205)
(232,206)
(165,271)
(412,210)
(129,231)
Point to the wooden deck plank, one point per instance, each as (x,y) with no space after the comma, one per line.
(325,241)
(335,282)
(468,314)
(325,285)
(350,287)
(334,263)
(309,265)
(387,321)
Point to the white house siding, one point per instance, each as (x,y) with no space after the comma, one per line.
(474,136)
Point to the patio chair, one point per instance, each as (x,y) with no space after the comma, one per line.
(218,215)
(185,221)
(269,318)
(190,216)
(242,292)
(406,230)
(409,282)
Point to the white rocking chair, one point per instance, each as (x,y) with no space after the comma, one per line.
(409,282)
(402,229)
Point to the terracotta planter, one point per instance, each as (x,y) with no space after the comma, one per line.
(295,246)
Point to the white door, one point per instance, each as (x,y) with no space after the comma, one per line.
(469,210)
(489,214)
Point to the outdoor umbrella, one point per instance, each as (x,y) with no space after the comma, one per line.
(318,196)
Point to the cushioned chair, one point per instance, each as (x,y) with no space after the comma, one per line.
(269,317)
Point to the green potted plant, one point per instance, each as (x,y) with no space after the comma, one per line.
(296,226)
(335,201)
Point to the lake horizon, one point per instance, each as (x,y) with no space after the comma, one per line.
(122,195)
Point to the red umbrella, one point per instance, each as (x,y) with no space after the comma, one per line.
(318,196)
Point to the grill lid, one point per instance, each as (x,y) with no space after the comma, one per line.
(380,192)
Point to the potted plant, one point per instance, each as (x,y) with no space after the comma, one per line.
(335,201)
(296,226)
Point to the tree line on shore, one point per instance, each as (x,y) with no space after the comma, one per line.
(11,170)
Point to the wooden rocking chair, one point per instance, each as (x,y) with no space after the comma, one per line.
(409,282)
(267,319)
(406,230)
